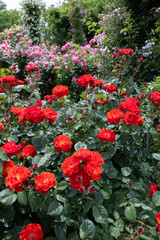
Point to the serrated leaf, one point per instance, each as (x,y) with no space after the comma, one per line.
(3,155)
(130,213)
(22,198)
(55,209)
(7,197)
(80,145)
(62,185)
(126,171)
(39,143)
(87,229)
(156,198)
(34,201)
(100,213)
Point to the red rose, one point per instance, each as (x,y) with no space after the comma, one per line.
(106,135)
(10,148)
(80,180)
(93,170)
(49,98)
(126,51)
(32,114)
(70,166)
(28,151)
(50,114)
(111,88)
(155,97)
(32,231)
(85,80)
(7,165)
(97,82)
(59,91)
(96,158)
(16,110)
(130,118)
(114,116)
(83,155)
(62,143)
(1,126)
(140,120)
(158,218)
(16,178)
(154,188)
(44,181)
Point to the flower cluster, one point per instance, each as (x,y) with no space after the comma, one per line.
(35,114)
(10,81)
(80,176)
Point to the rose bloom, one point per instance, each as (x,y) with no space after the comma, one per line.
(62,143)
(97,158)
(16,178)
(97,82)
(93,170)
(10,81)
(140,120)
(80,180)
(83,155)
(85,80)
(111,88)
(154,188)
(114,116)
(1,90)
(158,220)
(7,165)
(126,51)
(10,148)
(50,114)
(1,126)
(106,135)
(16,110)
(155,97)
(101,101)
(70,166)
(130,118)
(28,151)
(44,181)
(60,91)
(49,98)
(32,231)
(32,114)
(129,106)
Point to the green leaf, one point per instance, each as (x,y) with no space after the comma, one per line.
(22,198)
(55,209)
(80,145)
(87,229)
(3,155)
(100,96)
(50,238)
(62,185)
(34,201)
(115,232)
(126,171)
(1,167)
(39,143)
(156,198)
(7,197)
(100,213)
(156,156)
(130,213)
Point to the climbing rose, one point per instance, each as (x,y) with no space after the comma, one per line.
(62,143)
(111,88)
(85,80)
(50,114)
(7,165)
(28,151)
(59,91)
(70,166)
(10,148)
(106,135)
(16,178)
(114,116)
(44,181)
(130,118)
(32,231)
(154,188)
(32,114)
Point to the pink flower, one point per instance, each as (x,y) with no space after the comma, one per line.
(91,41)
(10,34)
(75,60)
(74,80)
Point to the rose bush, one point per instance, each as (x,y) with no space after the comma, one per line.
(83,161)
